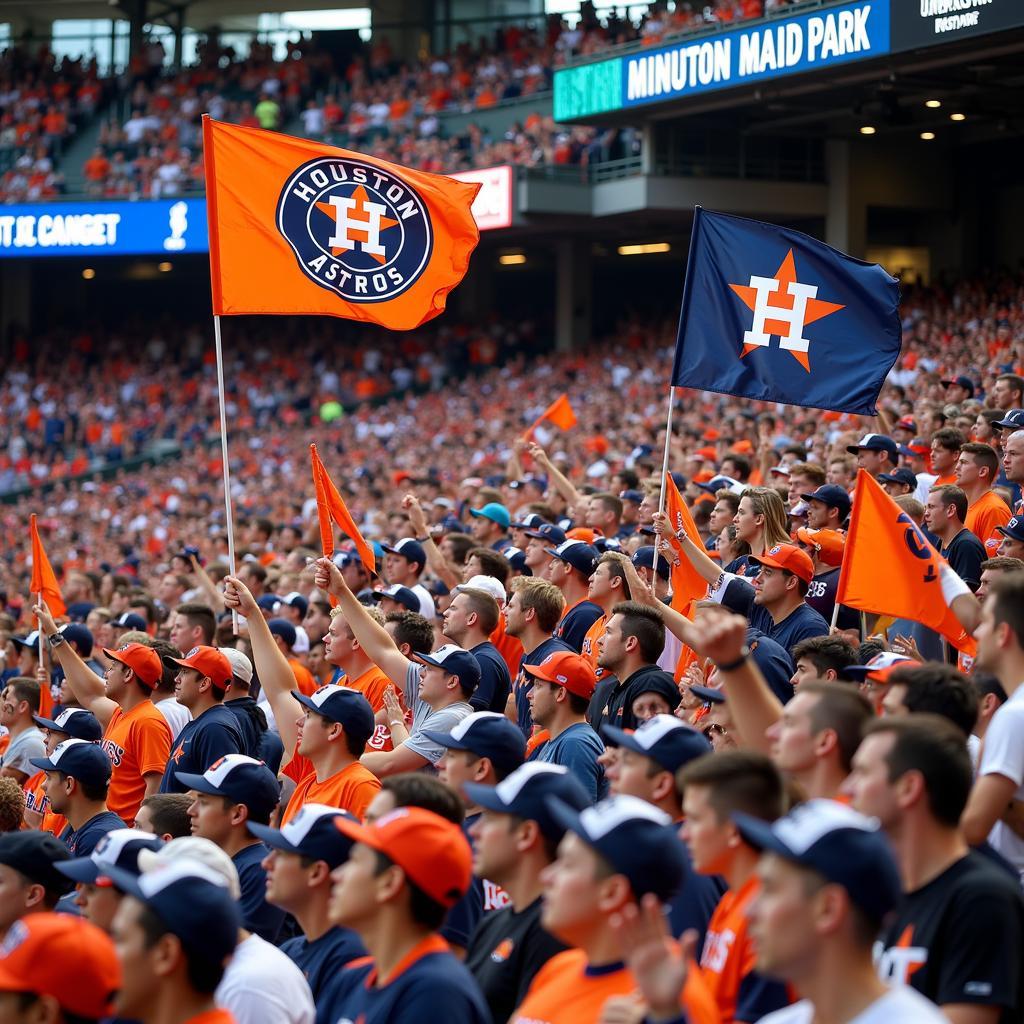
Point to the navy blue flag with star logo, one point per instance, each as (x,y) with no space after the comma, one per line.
(774,315)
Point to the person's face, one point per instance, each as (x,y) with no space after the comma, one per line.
(769,585)
(872,461)
(798,485)
(1011,548)
(645,513)
(892,702)
(353,895)
(56,789)
(210,818)
(9,705)
(543,705)
(711,841)
(458,767)
(383,803)
(792,737)
(943,460)
(317,661)
(647,705)
(1003,397)
(721,516)
(288,882)
(806,671)
(433,686)
(782,918)
(316,622)
(456,618)
(181,632)
(868,785)
(611,646)
(144,821)
(600,583)
(555,572)
(536,557)
(134,999)
(966,470)
(98,904)
(748,525)
(495,849)
(186,687)
(26,663)
(817,515)
(718,727)
(636,775)
(18,896)
(838,474)
(515,618)
(114,685)
(571,906)
(472,568)
(337,641)
(397,568)
(934,513)
(1013,457)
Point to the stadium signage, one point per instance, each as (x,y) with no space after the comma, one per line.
(923,23)
(492,207)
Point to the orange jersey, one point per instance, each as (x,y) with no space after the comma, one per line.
(373,684)
(137,742)
(988,512)
(36,800)
(566,991)
(509,647)
(589,649)
(304,681)
(351,789)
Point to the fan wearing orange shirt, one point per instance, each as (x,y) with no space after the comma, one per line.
(136,736)
(607,588)
(715,787)
(976,470)
(285,635)
(945,444)
(613,854)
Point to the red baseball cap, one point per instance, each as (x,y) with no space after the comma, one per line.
(431,850)
(790,558)
(208,661)
(142,660)
(64,957)
(568,669)
(829,544)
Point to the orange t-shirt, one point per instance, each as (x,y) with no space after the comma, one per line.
(943,481)
(988,512)
(214,1016)
(351,789)
(304,681)
(589,649)
(373,684)
(137,742)
(566,991)
(36,800)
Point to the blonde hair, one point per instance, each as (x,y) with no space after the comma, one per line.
(767,502)
(543,597)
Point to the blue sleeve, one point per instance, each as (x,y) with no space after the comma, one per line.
(334,994)
(759,996)
(258,915)
(489,688)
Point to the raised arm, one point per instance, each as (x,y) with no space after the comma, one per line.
(206,584)
(709,569)
(556,477)
(440,565)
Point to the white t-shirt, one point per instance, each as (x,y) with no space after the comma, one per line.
(1003,754)
(262,985)
(177,715)
(427,609)
(903,1005)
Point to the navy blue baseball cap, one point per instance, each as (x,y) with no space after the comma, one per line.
(529,522)
(486,734)
(295,600)
(192,902)
(404,596)
(36,855)
(78,611)
(536,481)
(1013,420)
(837,842)
(603,544)
(663,738)
(965,382)
(75,722)
(240,778)
(310,833)
(636,838)
(718,483)
(341,704)
(643,558)
(902,475)
(834,496)
(525,793)
(495,512)
(268,602)
(408,547)
(875,443)
(130,620)
(117,849)
(284,629)
(634,496)
(1014,528)
(86,762)
(517,559)
(548,531)
(577,553)
(79,635)
(455,661)
(708,694)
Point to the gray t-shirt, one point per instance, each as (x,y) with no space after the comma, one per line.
(23,746)
(425,717)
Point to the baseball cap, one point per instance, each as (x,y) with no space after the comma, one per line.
(36,856)
(634,496)
(577,553)
(207,661)
(240,778)
(432,851)
(268,602)
(789,558)
(191,900)
(536,481)
(80,759)
(194,848)
(907,423)
(636,838)
(828,544)
(917,448)
(718,483)
(30,640)
(1013,420)
(880,667)
(568,669)
(1014,528)
(837,842)
(524,794)
(119,848)
(875,443)
(75,722)
(142,660)
(901,475)
(341,704)
(405,596)
(284,629)
(408,547)
(709,694)
(241,666)
(130,620)
(780,470)
(79,635)
(488,584)
(78,611)
(516,558)
(964,382)
(309,833)
(547,531)
(663,738)
(833,496)
(455,661)
(486,734)
(529,522)
(643,558)
(495,512)
(65,957)
(296,600)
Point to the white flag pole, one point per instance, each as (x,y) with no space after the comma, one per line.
(664,472)
(228,518)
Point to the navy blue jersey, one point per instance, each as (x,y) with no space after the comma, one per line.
(821,596)
(695,902)
(247,715)
(204,740)
(271,751)
(432,984)
(799,624)
(258,915)
(81,842)
(321,959)
(774,661)
(577,748)
(965,553)
(481,898)
(524,683)
(495,683)
(576,622)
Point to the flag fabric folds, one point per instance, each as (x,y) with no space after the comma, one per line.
(774,315)
(44,580)
(331,506)
(890,568)
(688,586)
(559,413)
(301,227)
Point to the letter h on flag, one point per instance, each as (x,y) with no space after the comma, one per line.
(774,315)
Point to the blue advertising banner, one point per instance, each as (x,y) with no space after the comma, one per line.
(166,227)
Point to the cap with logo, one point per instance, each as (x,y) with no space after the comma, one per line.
(28,642)
(64,957)
(130,620)
(74,722)
(119,848)
(36,856)
(241,665)
(781,470)
(1014,528)
(486,734)
(528,522)
(432,851)
(209,662)
(1013,420)
(918,448)
(666,740)
(531,481)
(568,669)
(906,423)
(525,793)
(79,759)
(964,382)
(900,475)
(341,704)
(494,511)
(516,558)
(455,661)
(547,531)
(722,483)
(828,545)
(880,667)
(268,602)
(142,660)
(241,779)
(875,443)
(297,601)
(404,596)
(284,629)
(577,553)
(832,496)
(488,584)
(636,838)
(632,495)
(836,842)
(408,547)
(194,848)
(789,558)
(310,833)
(643,558)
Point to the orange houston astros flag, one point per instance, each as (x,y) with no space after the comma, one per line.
(301,227)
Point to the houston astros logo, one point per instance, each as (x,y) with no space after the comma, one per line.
(784,306)
(355,229)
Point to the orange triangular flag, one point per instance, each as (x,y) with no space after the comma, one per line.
(44,581)
(889,567)
(559,412)
(330,505)
(688,586)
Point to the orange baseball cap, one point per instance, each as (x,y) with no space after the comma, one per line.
(742,446)
(142,660)
(431,850)
(583,533)
(64,957)
(568,669)
(207,661)
(829,544)
(790,558)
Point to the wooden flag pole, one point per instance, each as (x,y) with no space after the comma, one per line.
(664,471)
(228,518)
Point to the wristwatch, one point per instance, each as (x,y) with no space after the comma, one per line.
(55,639)
(733,665)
